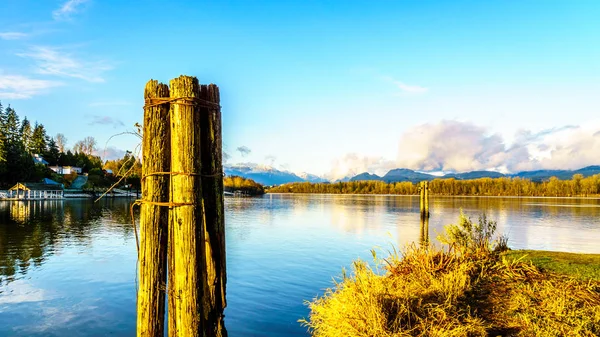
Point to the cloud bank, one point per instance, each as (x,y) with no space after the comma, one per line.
(461,146)
(22,87)
(57,62)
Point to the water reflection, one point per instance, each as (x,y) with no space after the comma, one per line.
(33,230)
(71,265)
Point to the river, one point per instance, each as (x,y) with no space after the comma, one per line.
(69,267)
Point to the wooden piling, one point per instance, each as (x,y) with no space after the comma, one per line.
(186,217)
(426,199)
(421,199)
(212,187)
(153,218)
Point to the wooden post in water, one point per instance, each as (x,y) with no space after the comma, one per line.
(153,218)
(422,198)
(214,276)
(186,217)
(426,199)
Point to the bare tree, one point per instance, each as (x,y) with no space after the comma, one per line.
(61,142)
(87,145)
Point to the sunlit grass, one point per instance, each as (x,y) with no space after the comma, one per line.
(581,266)
(468,288)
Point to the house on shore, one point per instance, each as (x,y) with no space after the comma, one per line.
(64,170)
(36,191)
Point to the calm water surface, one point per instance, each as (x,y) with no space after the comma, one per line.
(67,268)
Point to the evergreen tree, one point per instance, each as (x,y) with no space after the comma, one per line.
(53,154)
(26,134)
(2,136)
(39,139)
(12,127)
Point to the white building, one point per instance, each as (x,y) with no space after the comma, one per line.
(65,169)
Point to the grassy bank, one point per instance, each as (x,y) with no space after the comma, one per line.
(468,288)
(580,266)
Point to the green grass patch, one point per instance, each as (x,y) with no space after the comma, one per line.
(580,266)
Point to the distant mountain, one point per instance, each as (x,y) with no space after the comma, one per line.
(474,175)
(267,175)
(541,175)
(365,176)
(403,174)
(398,175)
(312,178)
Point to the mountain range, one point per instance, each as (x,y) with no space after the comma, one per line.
(268,175)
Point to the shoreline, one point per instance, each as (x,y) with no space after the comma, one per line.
(595,197)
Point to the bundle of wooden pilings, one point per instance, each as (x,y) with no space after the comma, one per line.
(424,210)
(182,227)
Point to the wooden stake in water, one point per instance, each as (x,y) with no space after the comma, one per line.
(186,217)
(426,199)
(153,218)
(215,276)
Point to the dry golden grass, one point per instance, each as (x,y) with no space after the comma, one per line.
(455,292)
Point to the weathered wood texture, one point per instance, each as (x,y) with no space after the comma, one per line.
(153,219)
(186,222)
(212,187)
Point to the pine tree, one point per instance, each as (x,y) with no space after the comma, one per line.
(26,134)
(39,139)
(2,136)
(12,127)
(53,153)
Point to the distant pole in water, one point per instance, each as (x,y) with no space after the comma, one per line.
(424,199)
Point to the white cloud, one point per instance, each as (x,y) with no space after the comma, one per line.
(411,89)
(352,164)
(454,146)
(22,87)
(67,9)
(53,61)
(20,291)
(405,88)
(12,35)
(110,153)
(459,146)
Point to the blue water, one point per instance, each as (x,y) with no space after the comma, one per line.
(67,268)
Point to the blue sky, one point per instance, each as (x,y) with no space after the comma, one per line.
(327,87)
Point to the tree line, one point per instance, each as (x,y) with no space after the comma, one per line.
(577,186)
(244,185)
(20,141)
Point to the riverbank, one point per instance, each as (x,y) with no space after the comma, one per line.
(580,266)
(468,288)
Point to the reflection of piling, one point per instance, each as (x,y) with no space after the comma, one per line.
(424,237)
(424,210)
(424,199)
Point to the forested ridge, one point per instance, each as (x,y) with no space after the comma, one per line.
(20,140)
(244,185)
(577,186)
